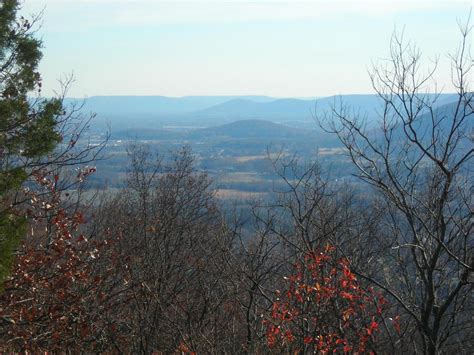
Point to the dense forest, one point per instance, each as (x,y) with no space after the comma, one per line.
(161,265)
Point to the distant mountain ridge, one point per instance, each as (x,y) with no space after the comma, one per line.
(277,110)
(121,105)
(152,112)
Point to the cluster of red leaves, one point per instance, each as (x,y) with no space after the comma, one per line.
(53,299)
(184,349)
(85,172)
(324,309)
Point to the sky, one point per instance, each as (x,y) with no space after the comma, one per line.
(281,49)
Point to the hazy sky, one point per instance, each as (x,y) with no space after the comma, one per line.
(292,48)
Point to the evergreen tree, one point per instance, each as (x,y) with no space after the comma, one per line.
(27,127)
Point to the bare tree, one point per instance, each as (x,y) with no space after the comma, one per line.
(419,161)
(171,241)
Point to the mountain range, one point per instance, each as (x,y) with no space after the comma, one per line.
(153,112)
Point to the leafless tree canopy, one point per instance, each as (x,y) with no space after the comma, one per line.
(419,161)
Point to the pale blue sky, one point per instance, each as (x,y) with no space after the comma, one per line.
(284,49)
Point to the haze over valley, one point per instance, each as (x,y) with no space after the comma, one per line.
(232,137)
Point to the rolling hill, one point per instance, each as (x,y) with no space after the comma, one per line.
(245,129)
